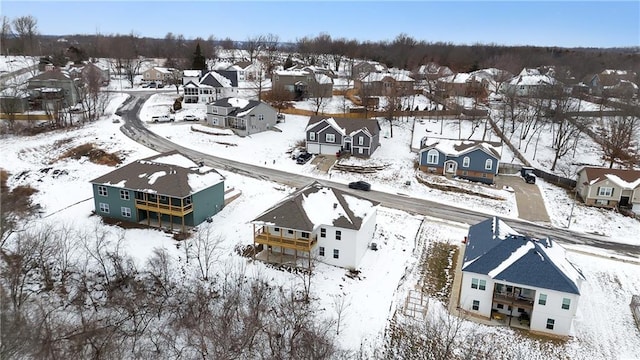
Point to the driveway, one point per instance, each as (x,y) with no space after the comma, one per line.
(530,203)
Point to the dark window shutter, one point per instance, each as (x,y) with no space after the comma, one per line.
(612,190)
(598,191)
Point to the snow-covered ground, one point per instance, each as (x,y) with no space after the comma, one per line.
(603,329)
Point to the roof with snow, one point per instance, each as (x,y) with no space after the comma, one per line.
(170,174)
(191,73)
(241,106)
(52,75)
(455,147)
(376,77)
(347,126)
(315,205)
(220,79)
(494,249)
(626,179)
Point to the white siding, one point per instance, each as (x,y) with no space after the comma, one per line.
(553,310)
(346,246)
(467,294)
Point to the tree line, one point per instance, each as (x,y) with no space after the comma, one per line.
(20,36)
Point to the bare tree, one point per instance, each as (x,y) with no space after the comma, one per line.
(206,250)
(618,139)
(340,305)
(26,28)
(253,45)
(5,33)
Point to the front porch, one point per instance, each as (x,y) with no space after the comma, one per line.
(284,246)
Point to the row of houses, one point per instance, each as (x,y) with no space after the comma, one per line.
(503,273)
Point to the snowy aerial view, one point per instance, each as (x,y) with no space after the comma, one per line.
(316,197)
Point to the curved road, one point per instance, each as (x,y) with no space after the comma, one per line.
(134,129)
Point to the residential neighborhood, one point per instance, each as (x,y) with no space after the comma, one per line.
(329,198)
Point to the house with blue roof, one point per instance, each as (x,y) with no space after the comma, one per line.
(522,281)
(467,159)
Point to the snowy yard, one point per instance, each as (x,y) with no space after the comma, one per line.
(603,328)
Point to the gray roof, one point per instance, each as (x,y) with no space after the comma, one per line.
(226,104)
(350,125)
(514,258)
(157,175)
(293,213)
(209,79)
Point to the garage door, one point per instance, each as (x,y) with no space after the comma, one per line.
(329,149)
(313,148)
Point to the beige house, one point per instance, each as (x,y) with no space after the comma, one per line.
(160,75)
(385,84)
(609,188)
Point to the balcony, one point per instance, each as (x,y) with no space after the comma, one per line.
(163,208)
(294,243)
(512,300)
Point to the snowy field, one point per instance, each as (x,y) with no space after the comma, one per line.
(603,328)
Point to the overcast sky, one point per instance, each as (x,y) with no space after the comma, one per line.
(542,23)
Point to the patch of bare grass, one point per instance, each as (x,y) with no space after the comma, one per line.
(438,266)
(94,154)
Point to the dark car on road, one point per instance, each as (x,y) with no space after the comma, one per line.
(360,185)
(303,158)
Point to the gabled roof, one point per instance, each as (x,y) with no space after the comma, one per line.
(52,75)
(347,126)
(433,69)
(240,65)
(491,250)
(220,79)
(455,147)
(170,173)
(240,106)
(316,205)
(626,179)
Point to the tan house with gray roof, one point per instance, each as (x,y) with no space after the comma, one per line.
(609,188)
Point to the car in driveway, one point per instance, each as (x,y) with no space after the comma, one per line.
(190,118)
(303,158)
(360,185)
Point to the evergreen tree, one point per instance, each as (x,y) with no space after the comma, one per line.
(199,61)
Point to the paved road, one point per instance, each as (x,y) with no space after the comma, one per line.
(134,129)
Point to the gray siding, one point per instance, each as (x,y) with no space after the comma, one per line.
(322,136)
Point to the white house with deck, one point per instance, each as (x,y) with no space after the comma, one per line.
(316,222)
(519,280)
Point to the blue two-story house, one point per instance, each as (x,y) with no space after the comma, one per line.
(467,159)
(167,190)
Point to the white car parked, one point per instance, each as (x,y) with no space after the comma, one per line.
(190,118)
(161,118)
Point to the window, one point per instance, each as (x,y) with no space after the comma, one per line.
(323,232)
(478,284)
(360,151)
(488,164)
(104,208)
(476,305)
(550,324)
(330,138)
(290,232)
(566,303)
(336,253)
(520,310)
(124,194)
(304,235)
(432,156)
(260,117)
(214,110)
(338,235)
(602,202)
(360,140)
(543,299)
(466,161)
(321,251)
(102,191)
(312,136)
(500,306)
(276,229)
(605,191)
(125,211)
(464,173)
